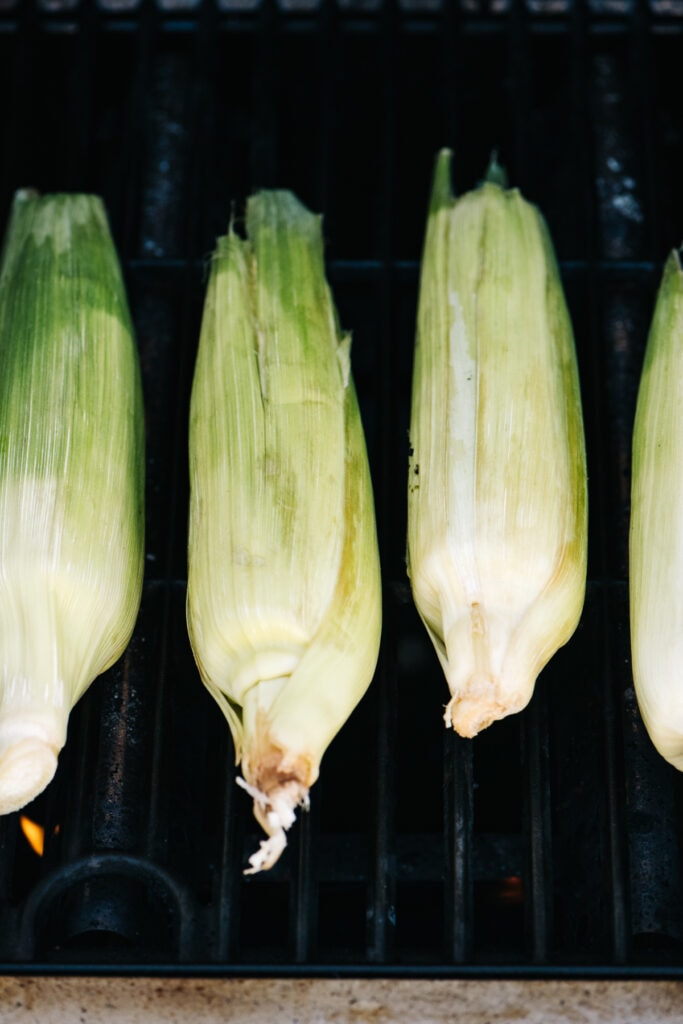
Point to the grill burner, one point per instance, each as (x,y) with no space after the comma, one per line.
(551,843)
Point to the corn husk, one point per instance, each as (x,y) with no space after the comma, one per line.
(656,529)
(497,502)
(71,476)
(284,602)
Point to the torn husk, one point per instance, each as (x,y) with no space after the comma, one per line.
(274,811)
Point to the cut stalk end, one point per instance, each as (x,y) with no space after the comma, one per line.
(27,766)
(472,712)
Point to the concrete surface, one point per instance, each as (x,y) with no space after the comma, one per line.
(346,1001)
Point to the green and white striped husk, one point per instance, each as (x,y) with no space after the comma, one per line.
(284,600)
(71,476)
(656,529)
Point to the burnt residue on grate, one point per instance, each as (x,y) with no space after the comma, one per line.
(551,843)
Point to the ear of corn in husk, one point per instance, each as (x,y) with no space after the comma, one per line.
(284,600)
(497,474)
(71,476)
(656,528)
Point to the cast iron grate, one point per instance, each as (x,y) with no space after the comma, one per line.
(551,844)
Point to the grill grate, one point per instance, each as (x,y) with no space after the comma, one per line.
(549,845)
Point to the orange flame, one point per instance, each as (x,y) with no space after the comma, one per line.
(35,834)
(511,890)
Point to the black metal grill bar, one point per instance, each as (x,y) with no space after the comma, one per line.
(327,67)
(305,888)
(403,271)
(229,868)
(265,85)
(538,884)
(614,795)
(458,809)
(450,31)
(294,23)
(639,89)
(469,28)
(254,969)
(382,891)
(587,94)
(537,879)
(459,855)
(619,182)
(148,232)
